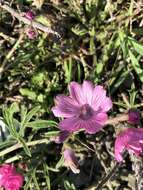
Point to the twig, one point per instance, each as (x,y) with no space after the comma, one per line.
(6,37)
(116,120)
(138,168)
(28,22)
(85,145)
(105,179)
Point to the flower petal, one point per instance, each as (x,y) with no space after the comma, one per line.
(118,155)
(119,147)
(66,107)
(100,100)
(96,123)
(135,146)
(14,182)
(76,93)
(130,139)
(70,160)
(70,124)
(92,127)
(87,88)
(99,95)
(106,104)
(100,118)
(9,178)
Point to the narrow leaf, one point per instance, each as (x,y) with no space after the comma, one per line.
(25,147)
(39,124)
(136,65)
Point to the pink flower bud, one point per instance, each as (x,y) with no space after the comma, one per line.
(134,116)
(31,33)
(29,15)
(61,137)
(70,160)
(130,139)
(9,178)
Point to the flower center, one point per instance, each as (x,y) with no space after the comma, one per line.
(85,112)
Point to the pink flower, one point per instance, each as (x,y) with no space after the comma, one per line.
(29,15)
(9,178)
(14,182)
(5,171)
(130,139)
(70,160)
(31,33)
(61,137)
(85,108)
(134,116)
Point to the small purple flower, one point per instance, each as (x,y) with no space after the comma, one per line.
(85,108)
(70,160)
(29,15)
(134,116)
(63,135)
(130,139)
(31,33)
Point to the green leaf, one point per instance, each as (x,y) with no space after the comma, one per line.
(6,143)
(9,119)
(51,134)
(136,45)
(39,124)
(29,93)
(136,65)
(133,94)
(60,162)
(25,147)
(30,114)
(138,31)
(27,117)
(69,186)
(99,68)
(79,30)
(14,108)
(36,184)
(116,84)
(43,20)
(38,79)
(46,172)
(23,113)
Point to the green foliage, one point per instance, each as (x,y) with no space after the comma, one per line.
(69,186)
(100,41)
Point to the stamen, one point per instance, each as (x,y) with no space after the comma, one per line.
(86,112)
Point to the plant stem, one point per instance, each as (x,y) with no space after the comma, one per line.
(111,121)
(10,53)
(14,158)
(18,145)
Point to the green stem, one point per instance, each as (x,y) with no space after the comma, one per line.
(18,145)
